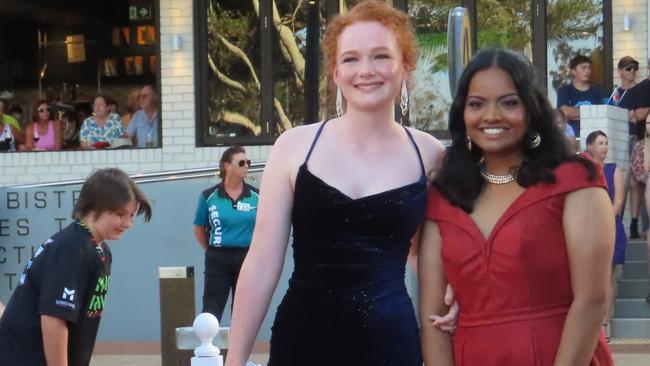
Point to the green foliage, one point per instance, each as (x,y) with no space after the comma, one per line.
(239,29)
(573,19)
(431,15)
(504,23)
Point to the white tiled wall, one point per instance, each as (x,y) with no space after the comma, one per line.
(634,42)
(178,122)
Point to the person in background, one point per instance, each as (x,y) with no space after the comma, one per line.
(560,120)
(44,133)
(53,315)
(16,112)
(627,68)
(113,106)
(143,129)
(99,130)
(522,230)
(11,136)
(7,117)
(70,130)
(578,92)
(638,179)
(646,165)
(132,106)
(597,148)
(223,226)
(637,101)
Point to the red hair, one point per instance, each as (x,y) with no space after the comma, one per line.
(396,21)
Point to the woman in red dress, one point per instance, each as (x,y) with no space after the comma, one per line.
(521,230)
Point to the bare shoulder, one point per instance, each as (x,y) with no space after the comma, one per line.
(297,139)
(430,147)
(291,147)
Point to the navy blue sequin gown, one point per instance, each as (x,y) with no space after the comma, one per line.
(347,303)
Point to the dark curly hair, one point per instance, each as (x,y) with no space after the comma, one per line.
(459,179)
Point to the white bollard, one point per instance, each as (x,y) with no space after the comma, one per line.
(206,327)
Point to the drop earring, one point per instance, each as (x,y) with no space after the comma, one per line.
(535,139)
(404,99)
(339,102)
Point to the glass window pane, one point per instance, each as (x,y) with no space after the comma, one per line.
(574,27)
(505,23)
(233,69)
(430,97)
(289,51)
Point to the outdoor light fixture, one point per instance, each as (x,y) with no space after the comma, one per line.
(177,42)
(627,22)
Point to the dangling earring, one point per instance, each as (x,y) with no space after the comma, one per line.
(534,140)
(339,102)
(468,141)
(404,99)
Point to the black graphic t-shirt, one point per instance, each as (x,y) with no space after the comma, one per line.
(67,278)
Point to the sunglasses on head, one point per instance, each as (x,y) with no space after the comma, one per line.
(632,67)
(41,110)
(241,163)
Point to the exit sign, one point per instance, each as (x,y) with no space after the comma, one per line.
(138,12)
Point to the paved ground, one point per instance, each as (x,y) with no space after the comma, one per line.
(621,359)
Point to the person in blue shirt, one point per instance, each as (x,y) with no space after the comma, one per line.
(143,127)
(578,92)
(223,226)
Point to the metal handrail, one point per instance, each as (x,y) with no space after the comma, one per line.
(170,175)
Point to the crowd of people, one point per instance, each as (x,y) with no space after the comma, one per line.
(53,126)
(517,240)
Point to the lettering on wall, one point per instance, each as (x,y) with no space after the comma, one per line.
(27,219)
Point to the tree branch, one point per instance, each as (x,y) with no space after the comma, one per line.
(285,123)
(223,78)
(242,55)
(240,119)
(289,41)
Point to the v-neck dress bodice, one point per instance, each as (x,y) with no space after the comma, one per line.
(347,302)
(514,287)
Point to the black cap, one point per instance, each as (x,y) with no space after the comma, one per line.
(626,61)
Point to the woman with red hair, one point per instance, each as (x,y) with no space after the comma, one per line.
(354,187)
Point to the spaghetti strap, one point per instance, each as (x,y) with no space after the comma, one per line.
(416,149)
(313,143)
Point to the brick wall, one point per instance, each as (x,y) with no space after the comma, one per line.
(178,122)
(635,41)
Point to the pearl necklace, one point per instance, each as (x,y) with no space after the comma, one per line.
(498,179)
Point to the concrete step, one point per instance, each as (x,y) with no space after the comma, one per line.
(630,328)
(631,308)
(636,250)
(633,289)
(635,270)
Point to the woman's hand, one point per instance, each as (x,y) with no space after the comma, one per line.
(447,322)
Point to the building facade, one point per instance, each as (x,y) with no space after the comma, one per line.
(199,119)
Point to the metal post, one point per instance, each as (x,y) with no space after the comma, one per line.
(459,44)
(177,308)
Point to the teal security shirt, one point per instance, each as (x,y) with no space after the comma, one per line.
(231,222)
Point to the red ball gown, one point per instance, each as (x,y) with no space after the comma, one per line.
(513,288)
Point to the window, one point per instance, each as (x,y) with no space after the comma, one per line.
(252,79)
(430,97)
(574,27)
(68,52)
